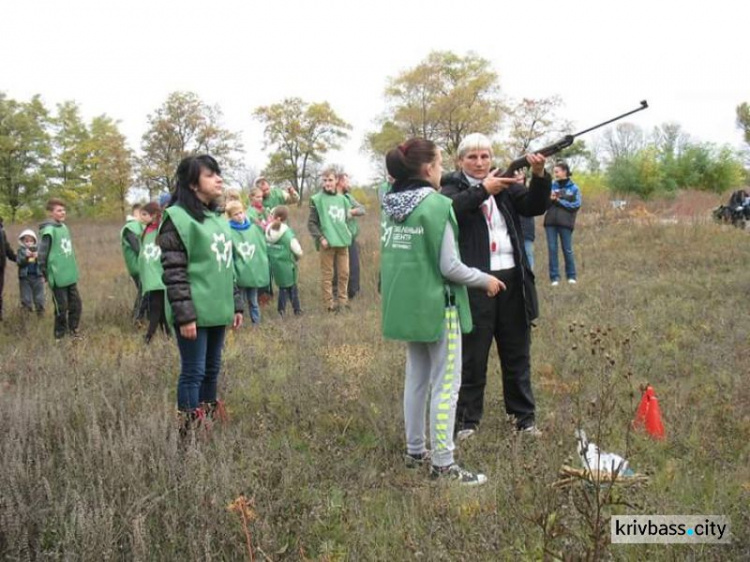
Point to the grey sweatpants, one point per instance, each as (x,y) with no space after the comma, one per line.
(31,288)
(434,369)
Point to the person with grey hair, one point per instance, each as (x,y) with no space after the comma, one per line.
(488,210)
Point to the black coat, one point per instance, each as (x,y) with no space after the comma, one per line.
(6,252)
(473,236)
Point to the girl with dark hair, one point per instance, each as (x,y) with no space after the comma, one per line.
(198,272)
(150,272)
(425,302)
(560,220)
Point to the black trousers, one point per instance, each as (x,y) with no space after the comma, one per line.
(140,306)
(502,319)
(157,315)
(2,287)
(68,308)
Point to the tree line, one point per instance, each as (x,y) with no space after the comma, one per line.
(46,152)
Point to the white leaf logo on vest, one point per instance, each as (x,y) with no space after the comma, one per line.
(246,250)
(66,246)
(225,254)
(151,252)
(336,213)
(387,233)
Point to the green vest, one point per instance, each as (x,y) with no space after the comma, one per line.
(283,261)
(254,215)
(275,198)
(131,258)
(333,211)
(62,269)
(250,257)
(414,292)
(210,271)
(149,264)
(352,222)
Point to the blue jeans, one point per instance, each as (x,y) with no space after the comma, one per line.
(566,238)
(528,245)
(292,294)
(251,295)
(200,363)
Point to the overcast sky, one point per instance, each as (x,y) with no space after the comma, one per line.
(688,59)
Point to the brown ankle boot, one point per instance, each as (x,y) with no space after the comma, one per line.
(215,411)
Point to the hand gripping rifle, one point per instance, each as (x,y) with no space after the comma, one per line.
(565,142)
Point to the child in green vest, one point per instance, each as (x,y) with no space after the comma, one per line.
(57,261)
(150,272)
(257,213)
(284,251)
(130,243)
(198,267)
(251,267)
(425,302)
(329,212)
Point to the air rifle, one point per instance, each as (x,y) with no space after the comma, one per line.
(563,143)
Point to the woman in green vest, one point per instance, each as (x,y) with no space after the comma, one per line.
(150,272)
(425,303)
(197,259)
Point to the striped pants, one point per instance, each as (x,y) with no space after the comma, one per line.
(434,370)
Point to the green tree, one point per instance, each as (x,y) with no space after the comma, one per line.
(300,134)
(443,98)
(25,150)
(181,126)
(111,166)
(638,174)
(70,176)
(708,168)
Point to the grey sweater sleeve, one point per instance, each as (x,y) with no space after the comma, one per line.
(456,271)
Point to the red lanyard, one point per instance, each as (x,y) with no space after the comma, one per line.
(487,210)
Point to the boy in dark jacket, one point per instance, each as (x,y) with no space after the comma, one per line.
(30,280)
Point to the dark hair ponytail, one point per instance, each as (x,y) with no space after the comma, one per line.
(187,175)
(564,166)
(406,160)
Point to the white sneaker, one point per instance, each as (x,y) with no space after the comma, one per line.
(457,474)
(465,434)
(555,283)
(572,281)
(532,431)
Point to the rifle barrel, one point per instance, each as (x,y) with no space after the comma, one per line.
(644,105)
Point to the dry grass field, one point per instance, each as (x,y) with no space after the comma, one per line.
(91,467)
